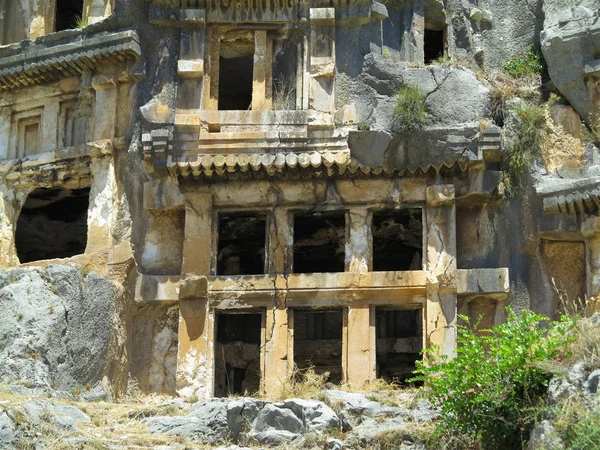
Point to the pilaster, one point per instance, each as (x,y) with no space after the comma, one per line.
(195,356)
(360,345)
(105,110)
(441,307)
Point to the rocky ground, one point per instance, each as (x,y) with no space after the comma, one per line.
(48,419)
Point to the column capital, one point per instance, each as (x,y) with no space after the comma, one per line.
(440,195)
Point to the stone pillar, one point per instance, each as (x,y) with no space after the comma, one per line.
(190,66)
(280,242)
(275,368)
(196,321)
(322,60)
(5,133)
(210,88)
(105,110)
(97,10)
(360,346)
(49,127)
(441,307)
(42,18)
(103,194)
(263,72)
(359,243)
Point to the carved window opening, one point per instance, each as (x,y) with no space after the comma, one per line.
(319,242)
(236,67)
(241,244)
(399,342)
(52,224)
(434,40)
(237,353)
(68,14)
(397,240)
(318,341)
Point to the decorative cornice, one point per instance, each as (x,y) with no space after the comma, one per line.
(37,63)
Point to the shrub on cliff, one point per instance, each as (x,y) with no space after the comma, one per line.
(488,392)
(410,109)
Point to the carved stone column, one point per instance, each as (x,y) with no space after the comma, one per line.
(441,308)
(196,321)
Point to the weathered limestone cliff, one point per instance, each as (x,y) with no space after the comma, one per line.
(200,197)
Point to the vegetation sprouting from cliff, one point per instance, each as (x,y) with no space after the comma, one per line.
(410,109)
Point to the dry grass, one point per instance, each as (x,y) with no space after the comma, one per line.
(111,424)
(304,383)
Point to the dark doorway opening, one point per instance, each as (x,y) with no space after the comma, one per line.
(242,240)
(237,353)
(319,242)
(69,14)
(397,240)
(433,44)
(235,82)
(52,224)
(318,341)
(399,342)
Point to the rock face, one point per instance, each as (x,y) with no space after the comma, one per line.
(570,42)
(57,327)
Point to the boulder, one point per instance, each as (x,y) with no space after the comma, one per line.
(207,422)
(62,416)
(241,413)
(544,437)
(8,431)
(275,425)
(315,415)
(591,384)
(369,428)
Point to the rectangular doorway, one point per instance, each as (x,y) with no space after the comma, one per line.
(237,353)
(318,341)
(399,342)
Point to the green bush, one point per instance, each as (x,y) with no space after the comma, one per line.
(486,394)
(528,63)
(530,132)
(411,107)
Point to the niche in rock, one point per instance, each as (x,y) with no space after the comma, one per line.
(52,224)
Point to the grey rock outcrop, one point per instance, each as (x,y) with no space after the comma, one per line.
(544,436)
(316,415)
(454,95)
(275,425)
(570,43)
(8,431)
(57,326)
(61,416)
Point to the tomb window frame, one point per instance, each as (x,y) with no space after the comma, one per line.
(20,120)
(374,211)
(217,213)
